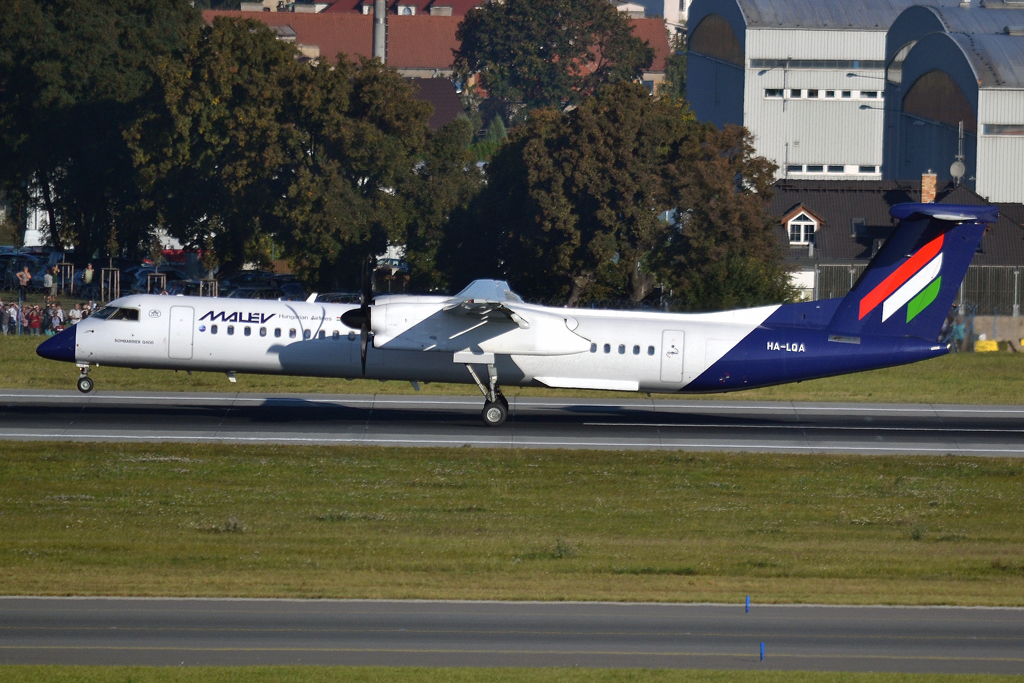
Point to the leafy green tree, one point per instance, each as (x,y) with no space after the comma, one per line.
(675,69)
(73,74)
(495,135)
(572,201)
(723,252)
(548,53)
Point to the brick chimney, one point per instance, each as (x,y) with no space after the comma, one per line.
(928,187)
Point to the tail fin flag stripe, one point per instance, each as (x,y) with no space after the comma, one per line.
(912,287)
(924,299)
(900,276)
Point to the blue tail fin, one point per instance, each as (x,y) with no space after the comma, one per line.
(910,284)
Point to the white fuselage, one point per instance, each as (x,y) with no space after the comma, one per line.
(572,348)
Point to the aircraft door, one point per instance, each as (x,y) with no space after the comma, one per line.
(672,356)
(179,341)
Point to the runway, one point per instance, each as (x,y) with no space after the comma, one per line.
(442,421)
(175,632)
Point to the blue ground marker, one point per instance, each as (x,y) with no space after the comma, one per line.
(762,652)
(748,604)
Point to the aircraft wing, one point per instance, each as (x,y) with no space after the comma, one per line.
(486,311)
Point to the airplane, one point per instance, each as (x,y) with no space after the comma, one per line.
(486,335)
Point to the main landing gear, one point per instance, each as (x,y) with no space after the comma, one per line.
(495,404)
(85,382)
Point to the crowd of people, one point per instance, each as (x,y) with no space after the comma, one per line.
(42,319)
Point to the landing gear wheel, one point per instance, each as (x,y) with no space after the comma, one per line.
(494,413)
(503,400)
(85,384)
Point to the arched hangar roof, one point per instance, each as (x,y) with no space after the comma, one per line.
(863,15)
(918,21)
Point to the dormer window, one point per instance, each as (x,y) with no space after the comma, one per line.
(406,10)
(801,229)
(367,9)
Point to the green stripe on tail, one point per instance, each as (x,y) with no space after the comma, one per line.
(922,300)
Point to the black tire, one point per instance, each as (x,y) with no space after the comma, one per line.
(494,414)
(85,384)
(503,400)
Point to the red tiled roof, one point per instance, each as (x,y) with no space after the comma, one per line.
(422,42)
(459,7)
(348,33)
(656,34)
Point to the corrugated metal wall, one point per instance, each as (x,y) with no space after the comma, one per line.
(714,89)
(800,131)
(1000,169)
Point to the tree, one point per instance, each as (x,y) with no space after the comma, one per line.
(572,201)
(723,252)
(72,76)
(548,53)
(675,69)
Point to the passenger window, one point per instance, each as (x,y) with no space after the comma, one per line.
(636,350)
(321,334)
(593,348)
(650,350)
(231,329)
(291,334)
(213,329)
(263,332)
(277,331)
(248,331)
(607,348)
(622,348)
(306,334)
(336,335)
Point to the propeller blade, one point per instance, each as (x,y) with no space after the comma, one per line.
(364,336)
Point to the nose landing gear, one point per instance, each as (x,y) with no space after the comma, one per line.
(85,382)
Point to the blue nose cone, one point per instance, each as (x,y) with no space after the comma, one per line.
(60,346)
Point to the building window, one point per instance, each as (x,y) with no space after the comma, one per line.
(367,9)
(794,169)
(801,229)
(773,92)
(829,94)
(794,93)
(406,10)
(867,169)
(815,169)
(870,94)
(858,226)
(836,169)
(997,129)
(847,94)
(812,94)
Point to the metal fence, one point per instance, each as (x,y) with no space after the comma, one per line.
(989,290)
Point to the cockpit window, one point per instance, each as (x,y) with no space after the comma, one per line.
(125,314)
(115,313)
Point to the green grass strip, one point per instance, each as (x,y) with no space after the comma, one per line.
(317,674)
(922,300)
(352,522)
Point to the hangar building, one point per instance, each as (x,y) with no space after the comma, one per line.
(806,77)
(948,66)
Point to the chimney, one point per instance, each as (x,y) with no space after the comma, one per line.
(379,31)
(928,187)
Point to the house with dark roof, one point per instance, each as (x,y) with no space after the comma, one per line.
(830,230)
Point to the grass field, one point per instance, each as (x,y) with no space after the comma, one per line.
(995,378)
(311,674)
(197,520)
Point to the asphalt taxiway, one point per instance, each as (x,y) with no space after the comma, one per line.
(447,421)
(175,632)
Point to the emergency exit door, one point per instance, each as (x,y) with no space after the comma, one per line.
(179,341)
(672,356)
